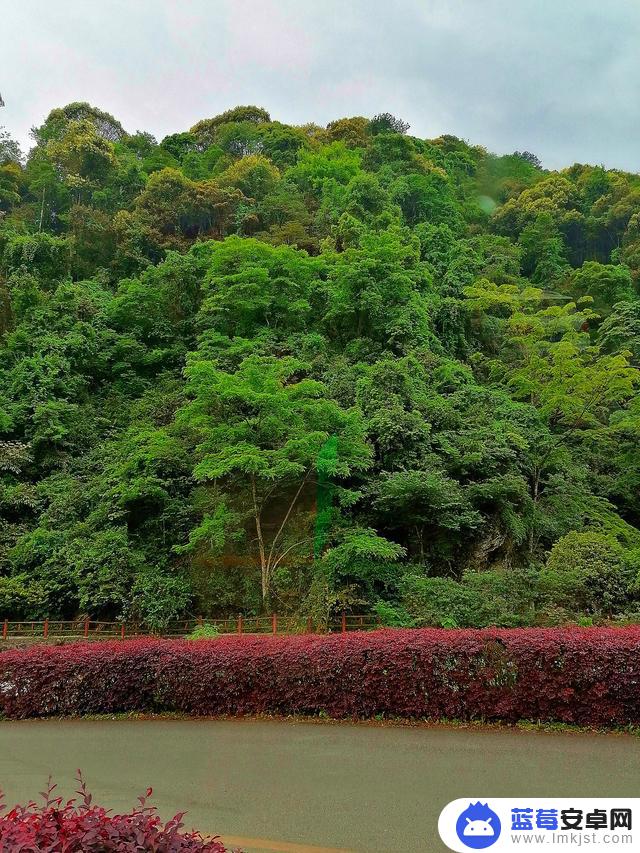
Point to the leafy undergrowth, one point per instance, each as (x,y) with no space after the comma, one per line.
(80,826)
(378,721)
(582,676)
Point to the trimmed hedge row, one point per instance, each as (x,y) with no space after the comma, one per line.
(588,676)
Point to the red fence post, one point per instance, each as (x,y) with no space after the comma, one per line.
(200,621)
(240,623)
(86,628)
(5,629)
(344,622)
(122,631)
(45,632)
(274,624)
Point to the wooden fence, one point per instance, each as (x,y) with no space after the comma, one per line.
(89,629)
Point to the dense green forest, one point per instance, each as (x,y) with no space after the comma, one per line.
(256,366)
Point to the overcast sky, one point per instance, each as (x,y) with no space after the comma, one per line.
(560,78)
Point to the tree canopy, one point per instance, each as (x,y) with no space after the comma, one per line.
(255,366)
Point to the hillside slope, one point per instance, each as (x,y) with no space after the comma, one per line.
(256,366)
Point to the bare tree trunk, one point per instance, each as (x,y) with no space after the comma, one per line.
(420,537)
(286,518)
(535,493)
(264,567)
(269,561)
(41,211)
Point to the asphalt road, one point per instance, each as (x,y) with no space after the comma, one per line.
(305,787)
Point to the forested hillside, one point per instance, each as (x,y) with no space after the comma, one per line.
(255,367)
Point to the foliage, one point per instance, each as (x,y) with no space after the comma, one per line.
(187,326)
(262,429)
(206,631)
(387,123)
(480,599)
(159,598)
(22,599)
(588,572)
(586,676)
(81,826)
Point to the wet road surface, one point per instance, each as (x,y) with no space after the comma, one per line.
(308,787)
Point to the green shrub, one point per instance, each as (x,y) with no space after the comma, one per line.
(21,599)
(480,599)
(392,615)
(588,572)
(159,598)
(206,631)
(43,254)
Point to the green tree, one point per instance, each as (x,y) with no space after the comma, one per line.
(606,284)
(387,123)
(260,431)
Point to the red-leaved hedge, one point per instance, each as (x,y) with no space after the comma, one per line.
(59,826)
(588,676)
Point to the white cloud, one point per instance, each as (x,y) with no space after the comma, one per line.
(557,78)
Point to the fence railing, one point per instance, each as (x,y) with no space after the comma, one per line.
(90,629)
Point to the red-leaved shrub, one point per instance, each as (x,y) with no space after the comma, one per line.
(57,826)
(589,676)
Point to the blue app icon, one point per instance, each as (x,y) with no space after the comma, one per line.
(478,826)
